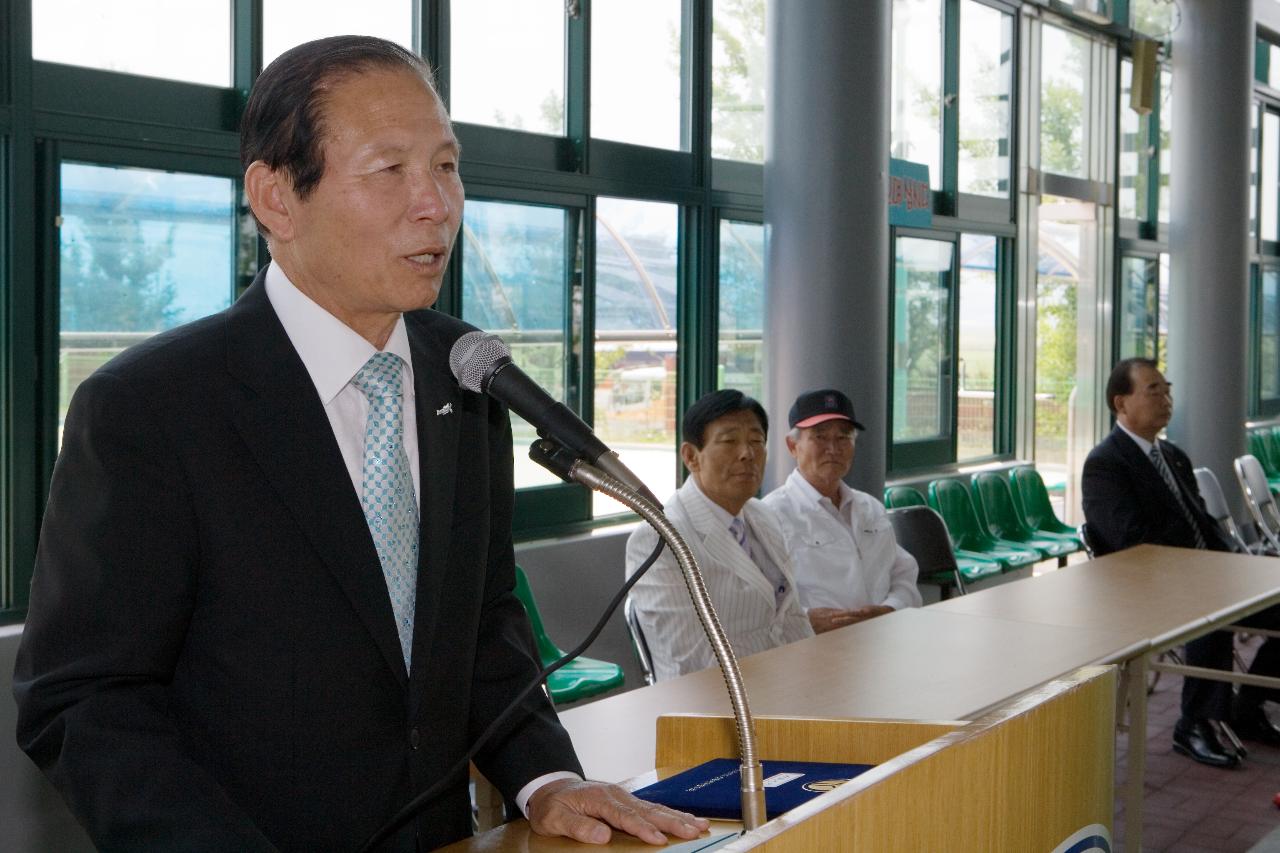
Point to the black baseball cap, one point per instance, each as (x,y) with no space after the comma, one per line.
(826,404)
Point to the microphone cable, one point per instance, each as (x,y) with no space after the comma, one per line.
(411,808)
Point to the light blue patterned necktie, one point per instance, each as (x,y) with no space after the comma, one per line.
(390,506)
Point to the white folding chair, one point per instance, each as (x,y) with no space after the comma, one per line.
(1257,495)
(1216,504)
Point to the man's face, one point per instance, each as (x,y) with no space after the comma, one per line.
(729,466)
(374,236)
(824,452)
(1148,408)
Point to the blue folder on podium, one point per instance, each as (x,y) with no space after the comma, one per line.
(712,789)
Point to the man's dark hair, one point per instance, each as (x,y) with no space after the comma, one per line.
(284,123)
(716,405)
(1120,382)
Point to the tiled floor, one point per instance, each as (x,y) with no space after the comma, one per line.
(1189,807)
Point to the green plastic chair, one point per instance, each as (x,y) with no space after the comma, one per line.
(954,503)
(1033,500)
(1271,443)
(972,567)
(897,497)
(1263,446)
(579,678)
(1000,513)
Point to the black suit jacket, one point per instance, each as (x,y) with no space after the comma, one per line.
(210,660)
(1127,502)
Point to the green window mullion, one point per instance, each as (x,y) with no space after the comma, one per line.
(1006,353)
(246,45)
(1255,340)
(950,105)
(578,86)
(1150,225)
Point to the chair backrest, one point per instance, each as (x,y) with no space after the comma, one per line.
(1215,503)
(896,497)
(1029,488)
(1270,441)
(547,650)
(1001,515)
(1257,495)
(952,501)
(638,643)
(923,534)
(1260,448)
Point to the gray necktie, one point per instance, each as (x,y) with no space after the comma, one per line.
(1157,459)
(776,579)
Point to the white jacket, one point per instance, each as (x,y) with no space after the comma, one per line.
(835,568)
(743,597)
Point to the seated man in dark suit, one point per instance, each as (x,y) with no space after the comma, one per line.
(1139,488)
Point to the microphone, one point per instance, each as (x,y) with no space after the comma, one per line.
(481,362)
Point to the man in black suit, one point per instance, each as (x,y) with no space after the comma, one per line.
(273,593)
(1139,488)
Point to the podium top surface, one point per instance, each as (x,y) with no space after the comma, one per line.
(912,664)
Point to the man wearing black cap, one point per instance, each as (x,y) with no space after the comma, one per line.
(848,564)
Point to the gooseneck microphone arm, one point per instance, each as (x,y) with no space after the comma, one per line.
(554,457)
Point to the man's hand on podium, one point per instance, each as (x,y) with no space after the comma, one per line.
(584,811)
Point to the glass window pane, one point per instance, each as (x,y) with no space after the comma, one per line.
(737,80)
(922,340)
(1138,286)
(1155,18)
(515,275)
(986,80)
(1162,313)
(1255,140)
(1067,395)
(1269,354)
(635,340)
(915,119)
(528,35)
(189,41)
(1273,66)
(140,251)
(1166,140)
(1134,154)
(1064,108)
(627,105)
(288,23)
(741,352)
(978,337)
(1270,175)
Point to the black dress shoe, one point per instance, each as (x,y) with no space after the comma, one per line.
(1252,723)
(1198,741)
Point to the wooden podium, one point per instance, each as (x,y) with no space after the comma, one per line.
(1036,773)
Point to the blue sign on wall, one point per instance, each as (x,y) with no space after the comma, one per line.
(910,201)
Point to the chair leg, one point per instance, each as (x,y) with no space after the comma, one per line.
(1062,561)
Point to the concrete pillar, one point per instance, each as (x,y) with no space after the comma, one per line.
(1209,231)
(825,184)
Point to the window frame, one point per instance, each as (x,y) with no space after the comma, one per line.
(50,113)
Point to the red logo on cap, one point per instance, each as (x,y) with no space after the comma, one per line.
(830,401)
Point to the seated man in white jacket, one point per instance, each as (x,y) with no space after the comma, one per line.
(734,538)
(848,564)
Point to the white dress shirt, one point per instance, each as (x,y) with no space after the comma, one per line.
(845,557)
(333,354)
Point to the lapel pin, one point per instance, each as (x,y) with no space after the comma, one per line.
(446,409)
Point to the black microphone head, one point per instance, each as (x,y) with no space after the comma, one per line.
(474,357)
